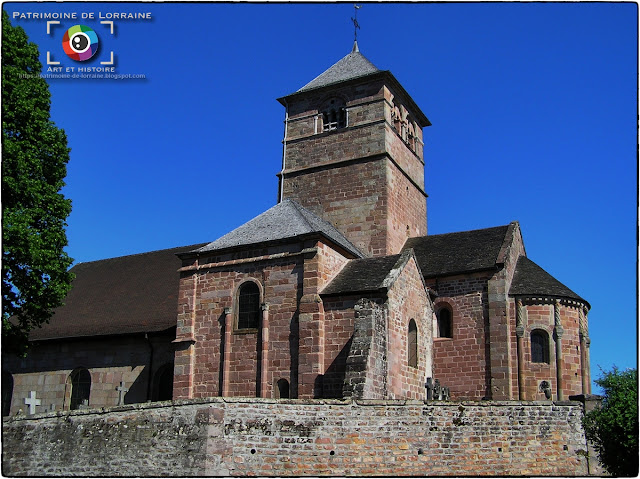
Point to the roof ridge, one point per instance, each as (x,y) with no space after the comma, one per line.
(125,256)
(507,241)
(397,268)
(285,220)
(303,213)
(300,210)
(465,231)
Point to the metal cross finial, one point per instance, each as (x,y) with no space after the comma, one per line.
(356,25)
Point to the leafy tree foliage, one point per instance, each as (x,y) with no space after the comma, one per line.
(613,427)
(35,276)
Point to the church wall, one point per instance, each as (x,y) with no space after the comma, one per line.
(349,197)
(330,263)
(335,146)
(279,271)
(460,362)
(502,346)
(572,377)
(369,200)
(305,111)
(366,375)
(407,299)
(280,282)
(406,152)
(539,315)
(240,437)
(378,358)
(407,210)
(339,320)
(110,360)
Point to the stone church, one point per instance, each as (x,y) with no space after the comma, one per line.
(337,291)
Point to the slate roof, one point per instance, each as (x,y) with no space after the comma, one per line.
(462,252)
(531,280)
(362,275)
(351,66)
(286,220)
(124,295)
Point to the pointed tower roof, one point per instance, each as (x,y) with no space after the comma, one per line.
(351,66)
(284,221)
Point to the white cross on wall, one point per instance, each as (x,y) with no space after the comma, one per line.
(121,392)
(32,402)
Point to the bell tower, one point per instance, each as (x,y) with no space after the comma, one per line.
(353,154)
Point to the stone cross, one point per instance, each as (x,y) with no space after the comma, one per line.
(121,392)
(32,402)
(429,386)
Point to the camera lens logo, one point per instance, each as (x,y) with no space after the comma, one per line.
(80,43)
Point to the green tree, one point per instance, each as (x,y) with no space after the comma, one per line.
(35,276)
(613,427)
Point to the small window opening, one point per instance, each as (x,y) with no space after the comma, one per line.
(412,345)
(80,388)
(445,329)
(334,116)
(282,389)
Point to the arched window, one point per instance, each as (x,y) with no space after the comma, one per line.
(248,306)
(334,115)
(539,346)
(80,388)
(282,390)
(412,345)
(163,383)
(445,327)
(396,118)
(412,137)
(7,392)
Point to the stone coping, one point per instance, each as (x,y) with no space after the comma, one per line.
(300,402)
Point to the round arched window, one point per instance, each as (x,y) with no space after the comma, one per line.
(539,346)
(248,306)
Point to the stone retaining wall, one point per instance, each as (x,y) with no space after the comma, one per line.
(301,437)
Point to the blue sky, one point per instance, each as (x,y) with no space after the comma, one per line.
(533,106)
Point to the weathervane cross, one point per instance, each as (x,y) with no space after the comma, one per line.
(354,19)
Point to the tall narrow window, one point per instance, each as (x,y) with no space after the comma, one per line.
(80,388)
(412,345)
(412,137)
(248,306)
(445,329)
(539,346)
(397,119)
